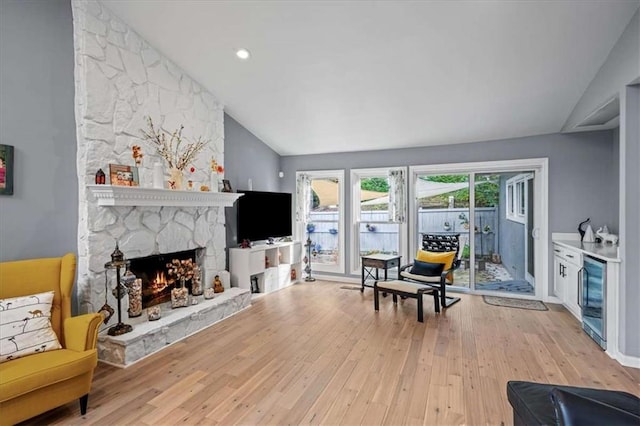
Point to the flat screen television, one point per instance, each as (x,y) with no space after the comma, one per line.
(263,215)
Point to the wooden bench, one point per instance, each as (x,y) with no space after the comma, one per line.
(405,289)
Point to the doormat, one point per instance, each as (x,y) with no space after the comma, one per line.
(350,287)
(508,302)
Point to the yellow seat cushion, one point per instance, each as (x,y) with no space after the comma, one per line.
(446,257)
(23,375)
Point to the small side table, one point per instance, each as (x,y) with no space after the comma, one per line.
(376,262)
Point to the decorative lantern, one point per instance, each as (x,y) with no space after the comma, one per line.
(117,262)
(100,177)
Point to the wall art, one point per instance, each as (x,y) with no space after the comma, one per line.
(6,169)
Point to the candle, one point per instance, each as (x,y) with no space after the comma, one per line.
(154,313)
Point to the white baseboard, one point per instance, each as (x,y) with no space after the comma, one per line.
(552,299)
(626,360)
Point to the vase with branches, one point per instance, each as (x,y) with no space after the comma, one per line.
(176,150)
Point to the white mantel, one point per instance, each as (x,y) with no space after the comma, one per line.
(112,195)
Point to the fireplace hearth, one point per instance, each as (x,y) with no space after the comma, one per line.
(154,273)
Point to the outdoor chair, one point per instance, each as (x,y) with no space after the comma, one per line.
(437,248)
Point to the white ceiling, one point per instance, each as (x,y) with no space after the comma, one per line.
(362,75)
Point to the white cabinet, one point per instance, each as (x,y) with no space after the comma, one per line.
(270,266)
(569,253)
(571,301)
(567,264)
(558,277)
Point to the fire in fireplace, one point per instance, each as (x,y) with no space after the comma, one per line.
(153,271)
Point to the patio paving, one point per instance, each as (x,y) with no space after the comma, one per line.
(495,277)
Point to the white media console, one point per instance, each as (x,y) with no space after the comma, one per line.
(270,265)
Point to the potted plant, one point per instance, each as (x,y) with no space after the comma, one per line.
(447,226)
(311,228)
(464,221)
(486,229)
(371,228)
(333,231)
(466,253)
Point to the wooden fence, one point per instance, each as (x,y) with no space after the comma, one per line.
(382,236)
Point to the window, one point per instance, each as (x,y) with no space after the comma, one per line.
(510,205)
(372,224)
(516,204)
(325,223)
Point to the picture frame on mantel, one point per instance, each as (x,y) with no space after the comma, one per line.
(121,175)
(6,169)
(226,186)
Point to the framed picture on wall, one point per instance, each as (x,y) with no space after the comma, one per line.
(121,175)
(6,169)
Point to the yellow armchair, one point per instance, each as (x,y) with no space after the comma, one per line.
(37,383)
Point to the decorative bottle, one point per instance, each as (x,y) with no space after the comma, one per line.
(158,176)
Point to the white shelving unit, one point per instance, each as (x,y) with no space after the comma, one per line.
(270,264)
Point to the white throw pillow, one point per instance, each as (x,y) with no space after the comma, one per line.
(25,326)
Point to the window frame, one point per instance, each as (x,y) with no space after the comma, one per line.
(300,228)
(516,198)
(540,166)
(356,175)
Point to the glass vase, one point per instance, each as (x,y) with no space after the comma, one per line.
(196,281)
(135,298)
(180,295)
(175,178)
(213,185)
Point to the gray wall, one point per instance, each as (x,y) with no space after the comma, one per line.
(37,117)
(580,178)
(630,236)
(621,67)
(246,157)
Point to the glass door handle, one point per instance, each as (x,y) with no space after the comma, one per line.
(580,283)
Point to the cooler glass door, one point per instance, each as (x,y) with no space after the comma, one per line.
(593,297)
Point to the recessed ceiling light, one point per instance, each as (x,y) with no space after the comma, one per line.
(243,54)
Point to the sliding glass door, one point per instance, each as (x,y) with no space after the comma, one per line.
(443,209)
(503,232)
(495,209)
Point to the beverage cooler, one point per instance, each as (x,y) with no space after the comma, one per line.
(592,299)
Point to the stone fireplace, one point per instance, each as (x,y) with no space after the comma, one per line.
(156,281)
(120,80)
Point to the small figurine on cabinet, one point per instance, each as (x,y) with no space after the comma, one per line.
(217,285)
(245,244)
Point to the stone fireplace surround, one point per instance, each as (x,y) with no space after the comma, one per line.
(198,222)
(119,80)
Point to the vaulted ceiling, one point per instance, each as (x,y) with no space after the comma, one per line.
(334,76)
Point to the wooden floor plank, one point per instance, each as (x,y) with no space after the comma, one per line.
(319,354)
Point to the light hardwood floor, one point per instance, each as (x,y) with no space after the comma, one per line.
(317,353)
